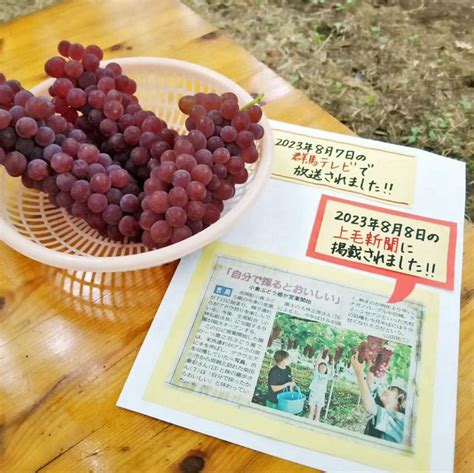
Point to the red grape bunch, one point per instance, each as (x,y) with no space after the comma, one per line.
(373,349)
(338,354)
(362,351)
(276,331)
(380,365)
(74,174)
(101,102)
(190,182)
(101,157)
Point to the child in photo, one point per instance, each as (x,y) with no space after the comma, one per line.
(318,387)
(387,420)
(279,378)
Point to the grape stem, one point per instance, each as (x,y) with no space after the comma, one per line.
(255,101)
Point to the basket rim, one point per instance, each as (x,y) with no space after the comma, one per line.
(157,257)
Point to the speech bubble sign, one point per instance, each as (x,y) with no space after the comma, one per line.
(410,248)
(376,171)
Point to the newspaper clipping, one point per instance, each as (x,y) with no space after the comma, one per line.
(315,353)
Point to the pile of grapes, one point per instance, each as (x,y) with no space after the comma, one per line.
(373,350)
(101,157)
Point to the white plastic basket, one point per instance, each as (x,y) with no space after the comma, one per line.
(32,226)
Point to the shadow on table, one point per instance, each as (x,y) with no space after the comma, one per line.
(110,296)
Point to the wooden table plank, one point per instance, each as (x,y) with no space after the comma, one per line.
(68,340)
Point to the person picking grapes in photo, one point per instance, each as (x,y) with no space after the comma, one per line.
(318,387)
(387,411)
(279,378)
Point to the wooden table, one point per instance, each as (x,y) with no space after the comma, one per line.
(67,341)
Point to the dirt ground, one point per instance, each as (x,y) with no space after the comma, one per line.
(11,9)
(392,70)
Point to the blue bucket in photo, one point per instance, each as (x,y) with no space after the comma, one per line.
(291,401)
